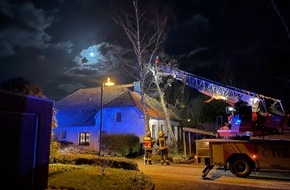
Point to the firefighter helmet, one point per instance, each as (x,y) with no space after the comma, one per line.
(161,133)
(148,134)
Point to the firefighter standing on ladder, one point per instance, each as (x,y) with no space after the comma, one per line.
(161,143)
(148,148)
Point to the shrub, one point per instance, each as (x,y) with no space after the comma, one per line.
(54,151)
(121,145)
(89,177)
(89,159)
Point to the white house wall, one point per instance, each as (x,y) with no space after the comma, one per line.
(131,121)
(156,125)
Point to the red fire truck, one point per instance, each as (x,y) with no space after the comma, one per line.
(242,156)
(257,135)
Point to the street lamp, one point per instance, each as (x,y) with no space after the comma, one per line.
(108,83)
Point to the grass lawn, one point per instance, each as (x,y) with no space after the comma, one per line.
(83,177)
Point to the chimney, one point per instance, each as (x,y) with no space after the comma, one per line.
(137,87)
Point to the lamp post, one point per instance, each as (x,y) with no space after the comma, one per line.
(108,83)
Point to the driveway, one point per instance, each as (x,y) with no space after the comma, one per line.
(188,177)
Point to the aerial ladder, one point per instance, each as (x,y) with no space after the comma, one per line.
(250,114)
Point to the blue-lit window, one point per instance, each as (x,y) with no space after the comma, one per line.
(63,135)
(118,117)
(84,138)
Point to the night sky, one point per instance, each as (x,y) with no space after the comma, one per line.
(244,43)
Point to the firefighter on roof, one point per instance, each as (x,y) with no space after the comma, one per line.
(162,145)
(148,148)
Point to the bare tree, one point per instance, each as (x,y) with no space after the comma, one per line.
(281,18)
(147,34)
(161,91)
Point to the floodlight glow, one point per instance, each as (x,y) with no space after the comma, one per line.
(219,97)
(254,100)
(231,109)
(109,83)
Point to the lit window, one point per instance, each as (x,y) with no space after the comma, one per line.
(84,139)
(118,117)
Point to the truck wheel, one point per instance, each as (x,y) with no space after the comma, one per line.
(241,167)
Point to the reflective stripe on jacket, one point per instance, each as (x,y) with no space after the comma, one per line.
(161,142)
(148,143)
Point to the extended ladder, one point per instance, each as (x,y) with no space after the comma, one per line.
(221,91)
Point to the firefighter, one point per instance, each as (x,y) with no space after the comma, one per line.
(148,148)
(162,148)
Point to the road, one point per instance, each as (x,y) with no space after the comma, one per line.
(188,177)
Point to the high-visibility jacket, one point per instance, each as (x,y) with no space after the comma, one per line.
(148,143)
(161,143)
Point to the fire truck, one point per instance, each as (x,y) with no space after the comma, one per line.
(243,156)
(256,135)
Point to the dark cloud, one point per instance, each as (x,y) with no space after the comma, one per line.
(41,41)
(24,26)
(46,42)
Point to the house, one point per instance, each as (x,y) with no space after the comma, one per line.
(78,115)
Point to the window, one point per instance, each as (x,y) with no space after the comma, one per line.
(176,133)
(118,117)
(153,134)
(84,139)
(162,128)
(63,135)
